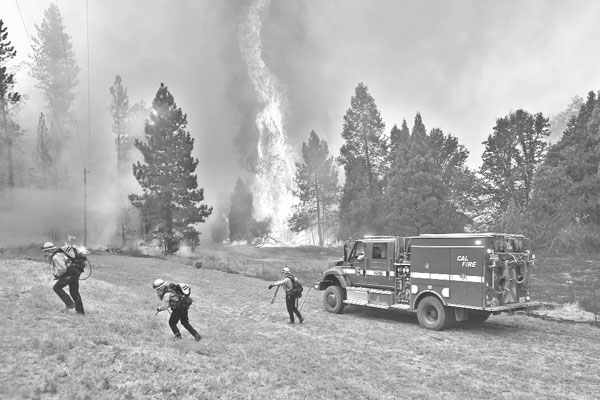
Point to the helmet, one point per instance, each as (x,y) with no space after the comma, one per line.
(285,270)
(67,248)
(48,246)
(159,284)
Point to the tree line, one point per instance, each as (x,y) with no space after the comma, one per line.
(402,181)
(411,181)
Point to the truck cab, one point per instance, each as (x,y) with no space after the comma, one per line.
(370,262)
(444,278)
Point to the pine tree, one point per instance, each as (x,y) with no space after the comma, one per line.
(420,196)
(398,140)
(44,171)
(364,157)
(560,121)
(171,202)
(241,211)
(564,211)
(56,70)
(9,129)
(119,110)
(512,154)
(316,180)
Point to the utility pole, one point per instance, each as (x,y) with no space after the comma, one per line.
(85,207)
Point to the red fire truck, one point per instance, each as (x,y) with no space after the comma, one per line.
(444,278)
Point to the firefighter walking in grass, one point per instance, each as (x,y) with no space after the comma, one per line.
(291,295)
(176,296)
(66,273)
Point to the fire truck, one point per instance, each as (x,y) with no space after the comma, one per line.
(443,278)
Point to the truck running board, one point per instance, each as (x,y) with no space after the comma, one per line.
(364,303)
(401,307)
(371,297)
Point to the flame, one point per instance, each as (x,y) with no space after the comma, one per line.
(273,186)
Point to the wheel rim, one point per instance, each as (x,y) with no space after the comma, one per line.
(332,300)
(431,314)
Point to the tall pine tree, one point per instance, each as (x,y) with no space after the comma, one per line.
(421,196)
(564,211)
(317,189)
(171,202)
(119,111)
(241,212)
(9,129)
(364,158)
(55,67)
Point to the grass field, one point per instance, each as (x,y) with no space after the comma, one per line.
(121,350)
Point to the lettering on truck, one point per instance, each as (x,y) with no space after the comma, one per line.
(464,260)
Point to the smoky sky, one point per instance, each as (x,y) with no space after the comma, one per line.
(461,64)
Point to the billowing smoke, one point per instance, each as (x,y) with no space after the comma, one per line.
(274,164)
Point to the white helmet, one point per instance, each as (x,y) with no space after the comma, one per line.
(285,270)
(159,284)
(48,246)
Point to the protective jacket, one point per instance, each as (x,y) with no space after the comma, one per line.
(59,264)
(286,283)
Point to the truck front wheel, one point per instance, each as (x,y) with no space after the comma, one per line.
(431,314)
(333,299)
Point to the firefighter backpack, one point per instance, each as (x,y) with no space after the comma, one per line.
(78,260)
(180,296)
(297,288)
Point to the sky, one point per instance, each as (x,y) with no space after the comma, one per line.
(461,64)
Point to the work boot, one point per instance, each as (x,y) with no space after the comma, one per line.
(291,323)
(301,320)
(197,337)
(67,308)
(178,336)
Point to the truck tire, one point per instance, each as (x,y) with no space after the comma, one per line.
(333,299)
(432,314)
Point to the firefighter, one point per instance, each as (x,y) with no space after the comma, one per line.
(66,274)
(176,297)
(361,255)
(290,298)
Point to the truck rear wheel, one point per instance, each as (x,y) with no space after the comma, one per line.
(432,314)
(333,299)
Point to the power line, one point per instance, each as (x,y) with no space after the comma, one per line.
(87,31)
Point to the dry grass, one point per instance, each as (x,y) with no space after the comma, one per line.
(120,350)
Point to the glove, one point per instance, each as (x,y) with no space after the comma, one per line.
(158,309)
(270,287)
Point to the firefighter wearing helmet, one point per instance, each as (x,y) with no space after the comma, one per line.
(175,296)
(287,281)
(66,275)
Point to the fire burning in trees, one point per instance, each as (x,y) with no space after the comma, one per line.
(273,185)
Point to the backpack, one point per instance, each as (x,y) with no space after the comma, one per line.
(297,288)
(180,296)
(78,260)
